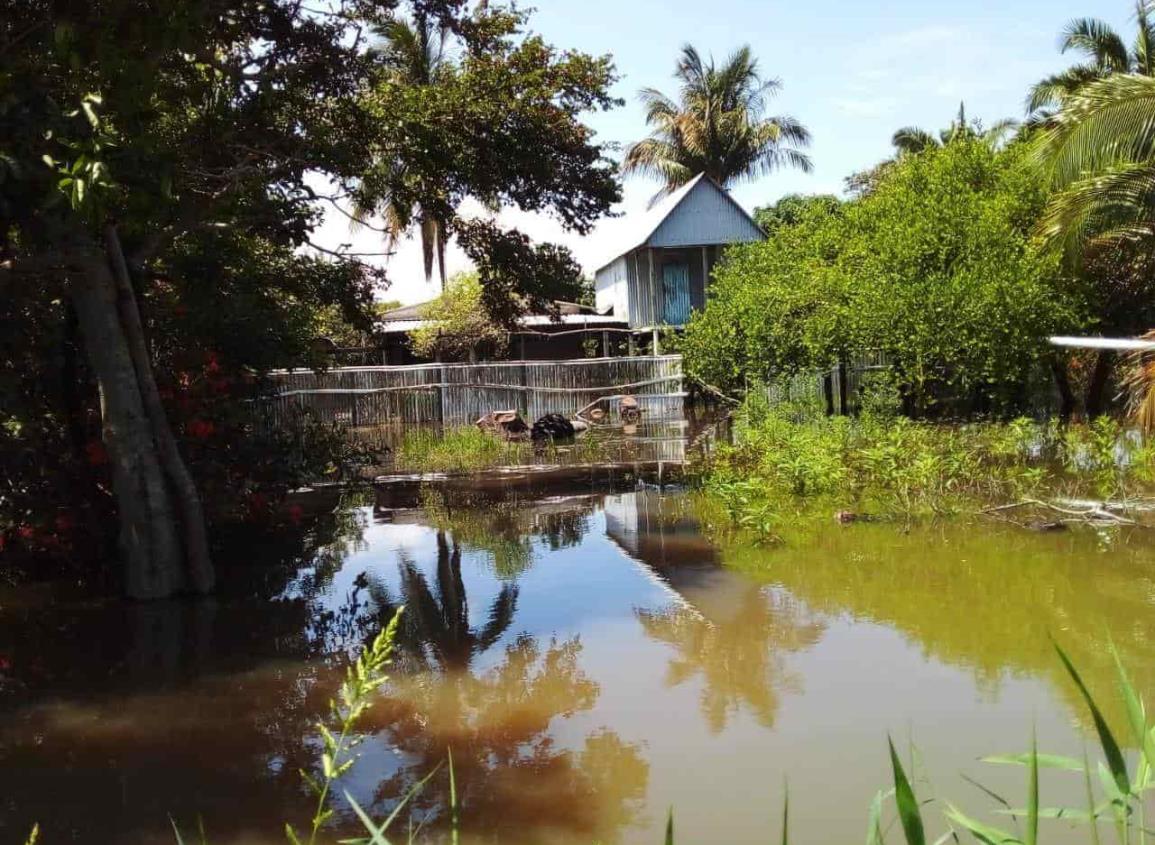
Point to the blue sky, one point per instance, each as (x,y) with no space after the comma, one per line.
(853,72)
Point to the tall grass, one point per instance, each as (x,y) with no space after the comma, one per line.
(454,450)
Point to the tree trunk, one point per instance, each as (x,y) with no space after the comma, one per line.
(1094,403)
(184,489)
(1063,385)
(149,545)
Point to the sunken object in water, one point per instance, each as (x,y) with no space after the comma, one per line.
(508,424)
(629,410)
(552,427)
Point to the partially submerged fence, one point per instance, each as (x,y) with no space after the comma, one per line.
(457,394)
(838,388)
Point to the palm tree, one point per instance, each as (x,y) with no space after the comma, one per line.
(1104,52)
(911,140)
(436,629)
(410,52)
(1099,153)
(717,126)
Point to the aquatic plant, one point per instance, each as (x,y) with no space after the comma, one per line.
(788,455)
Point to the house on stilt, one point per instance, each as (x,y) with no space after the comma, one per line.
(660,268)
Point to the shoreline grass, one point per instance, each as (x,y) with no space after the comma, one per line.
(789,460)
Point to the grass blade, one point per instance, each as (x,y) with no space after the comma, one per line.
(1044,761)
(982,832)
(785,813)
(670,827)
(908,812)
(1115,760)
(1033,793)
(376,833)
(1090,790)
(874,824)
(1136,711)
(454,820)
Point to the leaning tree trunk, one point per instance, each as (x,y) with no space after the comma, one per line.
(149,544)
(200,568)
(1095,401)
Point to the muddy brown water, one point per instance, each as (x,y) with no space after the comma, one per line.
(592,658)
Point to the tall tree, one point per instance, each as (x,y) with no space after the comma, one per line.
(136,132)
(911,140)
(502,126)
(412,52)
(717,126)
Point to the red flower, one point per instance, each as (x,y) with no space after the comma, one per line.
(5,663)
(295,514)
(200,429)
(25,532)
(258,503)
(96,453)
(213,365)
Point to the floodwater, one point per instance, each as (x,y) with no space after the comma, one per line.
(592,658)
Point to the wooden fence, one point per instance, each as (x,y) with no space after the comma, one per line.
(457,394)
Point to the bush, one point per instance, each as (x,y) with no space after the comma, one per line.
(935,268)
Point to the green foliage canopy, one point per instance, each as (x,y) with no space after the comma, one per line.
(458,325)
(935,267)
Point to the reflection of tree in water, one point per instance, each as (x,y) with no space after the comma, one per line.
(511,775)
(504,528)
(740,658)
(435,630)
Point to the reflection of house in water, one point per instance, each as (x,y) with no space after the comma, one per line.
(658,530)
(723,628)
(663,534)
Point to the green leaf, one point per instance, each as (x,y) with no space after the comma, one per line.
(982,832)
(454,819)
(1111,750)
(908,811)
(376,834)
(1136,711)
(785,813)
(874,823)
(1033,795)
(1044,761)
(669,840)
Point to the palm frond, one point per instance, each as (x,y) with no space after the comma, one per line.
(1000,131)
(715,126)
(1097,41)
(1050,93)
(1139,383)
(1115,205)
(1105,123)
(912,140)
(1144,49)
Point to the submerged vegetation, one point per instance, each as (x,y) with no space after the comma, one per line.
(790,458)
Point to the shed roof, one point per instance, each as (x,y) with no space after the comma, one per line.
(637,230)
(571,313)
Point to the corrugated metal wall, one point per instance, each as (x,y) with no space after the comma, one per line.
(705,216)
(457,394)
(611,283)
